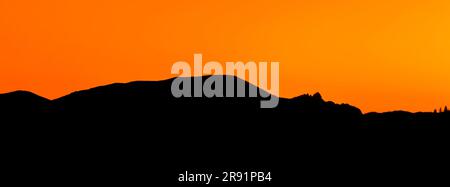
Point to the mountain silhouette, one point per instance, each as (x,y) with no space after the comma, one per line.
(137,132)
(153,97)
(23,102)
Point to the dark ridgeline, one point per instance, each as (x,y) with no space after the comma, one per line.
(139,133)
(22,102)
(154,99)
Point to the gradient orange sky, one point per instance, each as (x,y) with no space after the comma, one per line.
(378,55)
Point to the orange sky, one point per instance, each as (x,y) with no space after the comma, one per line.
(378,55)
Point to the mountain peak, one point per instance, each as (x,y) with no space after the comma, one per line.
(317,96)
(22,95)
(23,101)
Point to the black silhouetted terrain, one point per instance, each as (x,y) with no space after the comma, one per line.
(155,98)
(20,102)
(138,133)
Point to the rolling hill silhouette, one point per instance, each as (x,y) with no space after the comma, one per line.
(137,132)
(23,102)
(155,97)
